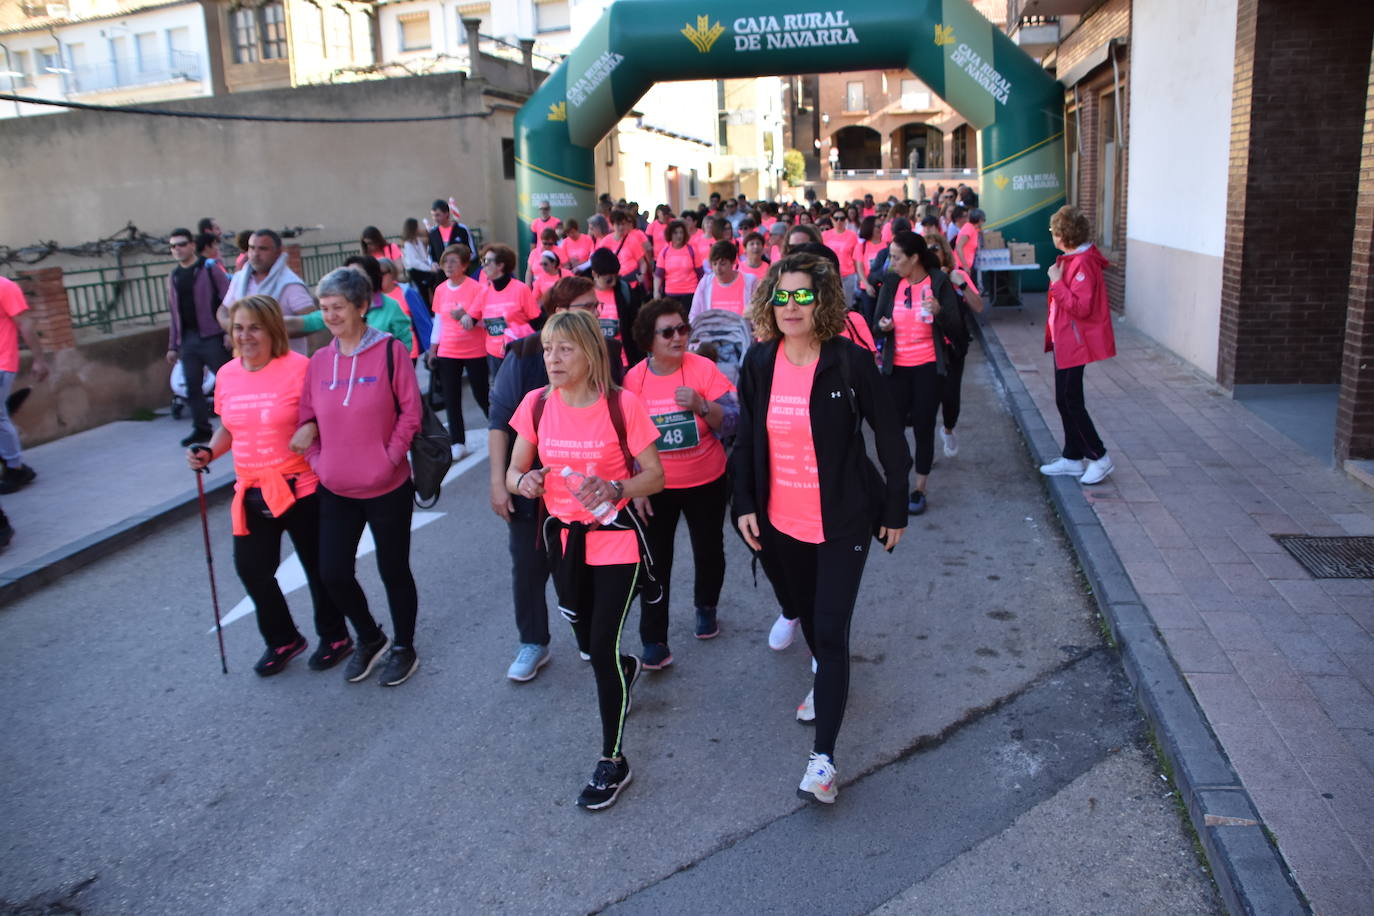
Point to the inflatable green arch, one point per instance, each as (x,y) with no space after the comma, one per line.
(978,70)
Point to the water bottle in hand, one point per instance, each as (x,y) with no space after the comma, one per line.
(926,299)
(604,512)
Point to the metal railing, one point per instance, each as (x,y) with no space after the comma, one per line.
(135,71)
(107,296)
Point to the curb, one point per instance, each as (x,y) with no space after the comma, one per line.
(30,577)
(1249,870)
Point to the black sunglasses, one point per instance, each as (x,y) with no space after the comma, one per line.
(677,330)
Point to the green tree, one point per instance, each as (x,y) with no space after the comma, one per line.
(794,167)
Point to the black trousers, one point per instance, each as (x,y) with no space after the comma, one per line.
(257,555)
(450,376)
(951,388)
(197,353)
(818,584)
(603,607)
(916,392)
(341,528)
(1080,436)
(704,507)
(529,572)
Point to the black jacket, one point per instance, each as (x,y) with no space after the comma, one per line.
(461,236)
(949,324)
(847,390)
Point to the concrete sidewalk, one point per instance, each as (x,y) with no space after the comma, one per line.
(1281,664)
(96,491)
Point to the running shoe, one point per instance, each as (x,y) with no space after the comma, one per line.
(819,782)
(806,712)
(365,657)
(401,663)
(1063,467)
(950,441)
(585,656)
(916,502)
(656,656)
(328,654)
(17,478)
(782,633)
(6,531)
(1097,470)
(630,679)
(707,628)
(528,661)
(609,777)
(274,660)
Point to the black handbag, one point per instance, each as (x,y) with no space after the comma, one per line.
(431,451)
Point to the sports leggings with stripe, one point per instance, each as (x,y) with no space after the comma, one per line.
(607,592)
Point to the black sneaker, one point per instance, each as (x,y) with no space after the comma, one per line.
(609,777)
(274,660)
(366,655)
(916,503)
(707,628)
(328,654)
(401,663)
(197,436)
(630,678)
(656,656)
(16,479)
(6,531)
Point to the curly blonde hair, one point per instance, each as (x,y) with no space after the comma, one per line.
(825,280)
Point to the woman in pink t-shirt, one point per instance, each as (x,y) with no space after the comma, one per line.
(752,262)
(257,397)
(458,343)
(577,248)
(506,306)
(806,496)
(548,242)
(576,445)
(678,267)
(691,402)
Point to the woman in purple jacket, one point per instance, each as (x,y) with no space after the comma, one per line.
(357,421)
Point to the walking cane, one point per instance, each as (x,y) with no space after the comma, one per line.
(210,564)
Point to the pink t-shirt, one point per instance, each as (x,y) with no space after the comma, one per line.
(966,246)
(577,250)
(537,255)
(691,457)
(658,234)
(544,281)
(886,233)
(679,270)
(454,342)
(506,314)
(261,410)
(540,224)
(630,249)
(702,243)
(12,303)
(842,243)
(584,438)
(731,297)
(794,486)
(915,340)
(757,273)
(865,253)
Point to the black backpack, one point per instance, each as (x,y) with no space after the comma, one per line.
(431,451)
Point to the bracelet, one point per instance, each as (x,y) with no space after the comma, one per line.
(619,489)
(521,479)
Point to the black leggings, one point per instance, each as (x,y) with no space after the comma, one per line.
(529,572)
(450,379)
(916,392)
(341,527)
(704,507)
(818,584)
(1080,436)
(950,387)
(607,594)
(256,557)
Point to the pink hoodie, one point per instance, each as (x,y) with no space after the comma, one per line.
(364,443)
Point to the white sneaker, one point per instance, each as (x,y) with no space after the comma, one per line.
(950,442)
(806,712)
(1098,470)
(782,633)
(528,660)
(460,451)
(819,782)
(1063,467)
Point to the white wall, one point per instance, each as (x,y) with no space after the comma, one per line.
(1182,55)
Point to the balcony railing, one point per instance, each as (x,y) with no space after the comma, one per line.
(135,71)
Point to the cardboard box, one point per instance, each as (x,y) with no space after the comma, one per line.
(1022,253)
(992,238)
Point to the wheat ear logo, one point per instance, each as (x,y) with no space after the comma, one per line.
(703,35)
(944,35)
(1001,181)
(558,111)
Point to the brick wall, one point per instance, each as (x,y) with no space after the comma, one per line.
(1355,413)
(1283,312)
(1110,20)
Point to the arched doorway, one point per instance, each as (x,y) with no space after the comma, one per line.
(857,147)
(998,88)
(919,146)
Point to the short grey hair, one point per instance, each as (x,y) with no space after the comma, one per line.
(397,269)
(352,285)
(598,222)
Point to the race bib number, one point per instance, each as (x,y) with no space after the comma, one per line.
(496,327)
(676,430)
(610,328)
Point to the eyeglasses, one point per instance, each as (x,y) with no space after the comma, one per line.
(489,261)
(677,330)
(800,296)
(180,244)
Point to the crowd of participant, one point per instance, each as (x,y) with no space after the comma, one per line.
(611,417)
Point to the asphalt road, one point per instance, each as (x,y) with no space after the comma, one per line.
(991,759)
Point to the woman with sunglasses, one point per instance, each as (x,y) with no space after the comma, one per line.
(917,312)
(806,495)
(691,402)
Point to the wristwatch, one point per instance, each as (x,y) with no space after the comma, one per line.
(619,489)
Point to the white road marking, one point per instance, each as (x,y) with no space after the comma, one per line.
(291,576)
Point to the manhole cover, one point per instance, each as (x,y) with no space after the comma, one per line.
(1331,558)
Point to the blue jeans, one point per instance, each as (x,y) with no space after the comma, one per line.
(9,436)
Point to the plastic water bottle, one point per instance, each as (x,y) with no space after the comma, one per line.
(926,299)
(605,512)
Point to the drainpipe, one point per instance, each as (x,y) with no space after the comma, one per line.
(9,65)
(474,52)
(527,57)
